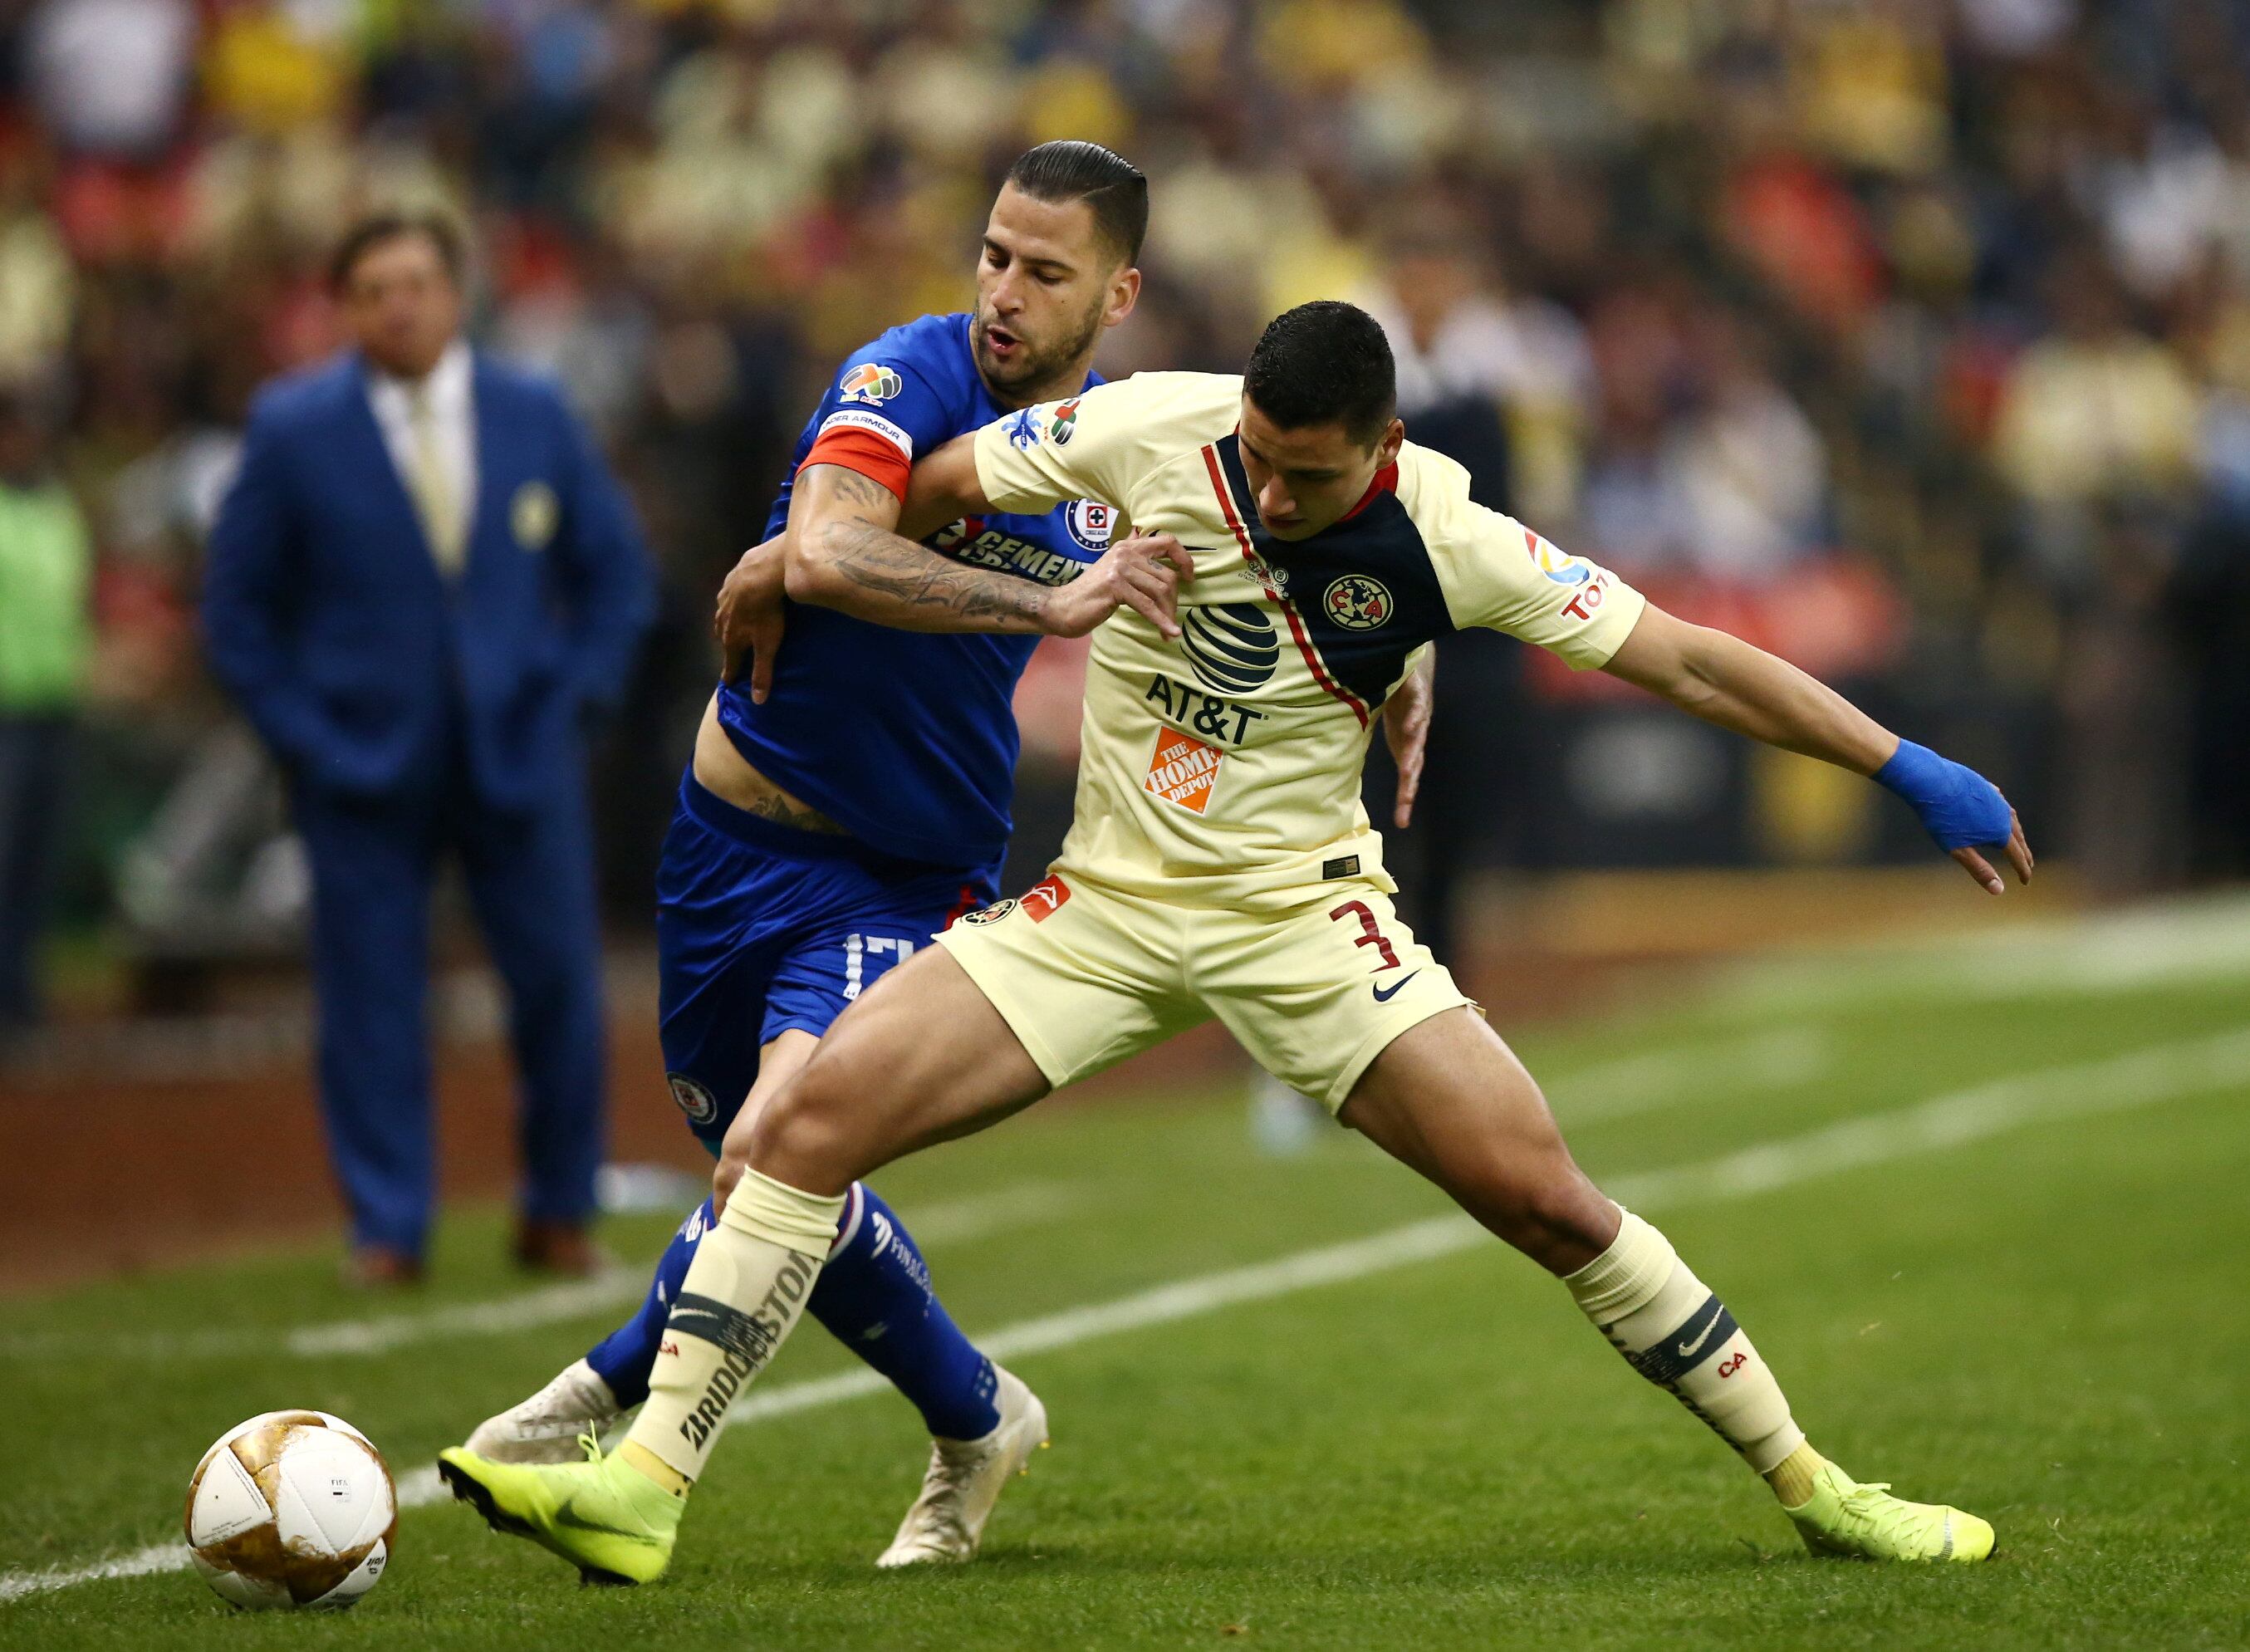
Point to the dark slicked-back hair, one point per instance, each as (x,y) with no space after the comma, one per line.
(377,227)
(1323,363)
(1069,169)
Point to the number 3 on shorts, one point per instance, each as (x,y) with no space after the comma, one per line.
(1369,934)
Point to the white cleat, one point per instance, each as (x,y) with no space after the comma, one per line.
(545,1428)
(965,1479)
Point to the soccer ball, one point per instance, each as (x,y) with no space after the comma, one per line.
(292,1508)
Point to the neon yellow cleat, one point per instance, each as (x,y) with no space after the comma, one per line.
(1843,1517)
(614,1524)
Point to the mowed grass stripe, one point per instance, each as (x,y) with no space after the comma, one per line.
(1955,1119)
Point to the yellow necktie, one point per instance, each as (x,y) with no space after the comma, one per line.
(433,487)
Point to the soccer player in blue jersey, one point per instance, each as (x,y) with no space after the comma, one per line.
(842,809)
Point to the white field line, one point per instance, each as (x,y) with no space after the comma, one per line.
(2166,1072)
(952,1222)
(1665,1077)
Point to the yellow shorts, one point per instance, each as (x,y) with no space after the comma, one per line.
(1086,976)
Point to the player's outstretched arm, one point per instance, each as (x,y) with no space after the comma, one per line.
(1724,680)
(845,551)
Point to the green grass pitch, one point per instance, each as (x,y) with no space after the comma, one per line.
(1984,1212)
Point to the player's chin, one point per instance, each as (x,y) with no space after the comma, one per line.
(1005,369)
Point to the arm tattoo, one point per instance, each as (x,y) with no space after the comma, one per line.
(860,490)
(877,560)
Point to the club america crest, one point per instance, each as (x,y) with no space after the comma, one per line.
(1356,603)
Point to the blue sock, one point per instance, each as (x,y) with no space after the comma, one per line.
(874,1297)
(625,1358)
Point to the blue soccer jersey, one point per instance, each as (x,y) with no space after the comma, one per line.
(908,740)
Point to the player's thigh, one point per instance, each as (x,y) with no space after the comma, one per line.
(1016,999)
(925,1059)
(1315,995)
(1448,1098)
(823,974)
(1084,977)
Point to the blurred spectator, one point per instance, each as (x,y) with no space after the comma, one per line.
(1459,335)
(2097,411)
(111,76)
(45,577)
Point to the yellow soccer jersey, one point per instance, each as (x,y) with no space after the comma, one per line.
(1224,768)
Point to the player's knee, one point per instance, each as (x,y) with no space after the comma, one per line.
(800,1138)
(723,1179)
(1545,1207)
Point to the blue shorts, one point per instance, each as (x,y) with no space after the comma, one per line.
(761,928)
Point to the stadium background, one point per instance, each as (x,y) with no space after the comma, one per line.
(1910,339)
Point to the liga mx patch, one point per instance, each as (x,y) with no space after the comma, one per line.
(1555,562)
(1182,771)
(870,382)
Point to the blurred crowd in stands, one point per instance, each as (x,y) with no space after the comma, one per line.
(1911,336)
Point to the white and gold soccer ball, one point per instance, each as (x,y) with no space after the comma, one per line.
(292,1508)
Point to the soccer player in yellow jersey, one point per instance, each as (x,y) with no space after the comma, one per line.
(1220,866)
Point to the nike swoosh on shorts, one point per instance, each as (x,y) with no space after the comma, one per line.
(1382,997)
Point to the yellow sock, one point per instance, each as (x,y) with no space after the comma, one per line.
(1791,1478)
(649,1466)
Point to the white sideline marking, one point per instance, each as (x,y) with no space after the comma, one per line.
(2118,1083)
(953,1222)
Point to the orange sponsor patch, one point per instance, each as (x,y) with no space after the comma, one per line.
(1044,898)
(1182,771)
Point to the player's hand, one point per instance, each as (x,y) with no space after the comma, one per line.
(748,620)
(1142,572)
(1963,811)
(2018,853)
(1406,731)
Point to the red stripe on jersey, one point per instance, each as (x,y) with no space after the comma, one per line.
(1296,623)
(1386,482)
(872,456)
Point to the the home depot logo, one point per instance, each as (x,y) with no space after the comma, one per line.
(1182,771)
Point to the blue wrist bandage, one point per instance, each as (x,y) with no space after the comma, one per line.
(1958,806)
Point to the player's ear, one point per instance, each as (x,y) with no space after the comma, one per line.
(1394,437)
(1124,293)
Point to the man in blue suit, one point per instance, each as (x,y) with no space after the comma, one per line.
(422,584)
